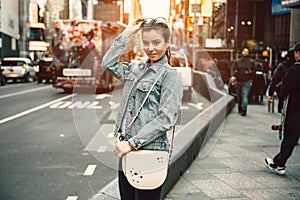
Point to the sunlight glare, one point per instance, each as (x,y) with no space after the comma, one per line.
(155,8)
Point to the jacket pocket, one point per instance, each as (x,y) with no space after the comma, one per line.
(142,89)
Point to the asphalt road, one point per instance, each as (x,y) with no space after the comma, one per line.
(56,146)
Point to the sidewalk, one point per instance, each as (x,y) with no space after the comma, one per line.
(235,169)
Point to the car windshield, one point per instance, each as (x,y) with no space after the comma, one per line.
(12,63)
(36,34)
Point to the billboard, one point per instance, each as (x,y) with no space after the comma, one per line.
(9,18)
(200,8)
(277,8)
(291,3)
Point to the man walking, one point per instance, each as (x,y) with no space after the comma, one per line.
(289,89)
(279,72)
(242,74)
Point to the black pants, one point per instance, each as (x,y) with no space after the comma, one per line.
(128,192)
(290,139)
(280,104)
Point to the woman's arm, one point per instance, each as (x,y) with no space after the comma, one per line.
(111,58)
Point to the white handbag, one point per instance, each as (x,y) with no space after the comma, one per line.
(146,169)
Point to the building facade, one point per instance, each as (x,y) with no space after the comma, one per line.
(9,27)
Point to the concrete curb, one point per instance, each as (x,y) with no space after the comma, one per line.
(191,138)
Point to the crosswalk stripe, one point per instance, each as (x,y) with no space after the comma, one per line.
(89,170)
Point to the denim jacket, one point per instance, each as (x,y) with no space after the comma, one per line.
(159,113)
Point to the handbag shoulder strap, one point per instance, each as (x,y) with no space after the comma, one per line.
(139,111)
(144,101)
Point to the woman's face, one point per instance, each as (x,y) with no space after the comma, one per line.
(154,44)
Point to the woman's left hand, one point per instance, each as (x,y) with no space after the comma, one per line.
(122,148)
(133,27)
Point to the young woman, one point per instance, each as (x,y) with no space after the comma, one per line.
(159,113)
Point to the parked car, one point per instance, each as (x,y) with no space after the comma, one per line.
(2,77)
(44,70)
(180,61)
(18,68)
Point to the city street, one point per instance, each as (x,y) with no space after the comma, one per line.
(56,144)
(41,153)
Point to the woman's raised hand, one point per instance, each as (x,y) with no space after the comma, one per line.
(133,27)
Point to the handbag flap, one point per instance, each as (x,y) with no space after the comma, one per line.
(146,169)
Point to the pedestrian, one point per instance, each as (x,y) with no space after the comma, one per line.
(224,68)
(259,83)
(160,112)
(278,74)
(289,89)
(242,74)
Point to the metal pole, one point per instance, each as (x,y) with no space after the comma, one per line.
(254,21)
(194,40)
(236,22)
(225,20)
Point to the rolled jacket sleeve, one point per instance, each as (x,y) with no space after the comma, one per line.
(111,58)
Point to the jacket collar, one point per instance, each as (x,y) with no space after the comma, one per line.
(158,64)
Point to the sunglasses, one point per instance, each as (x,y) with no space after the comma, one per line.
(152,21)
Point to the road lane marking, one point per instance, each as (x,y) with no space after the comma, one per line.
(184,107)
(198,106)
(89,171)
(102,149)
(103,96)
(72,198)
(76,105)
(114,105)
(24,92)
(26,112)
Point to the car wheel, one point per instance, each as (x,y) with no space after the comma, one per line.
(26,78)
(39,80)
(3,81)
(68,90)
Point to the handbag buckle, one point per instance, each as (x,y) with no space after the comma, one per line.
(121,137)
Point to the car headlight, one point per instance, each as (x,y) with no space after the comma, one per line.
(23,70)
